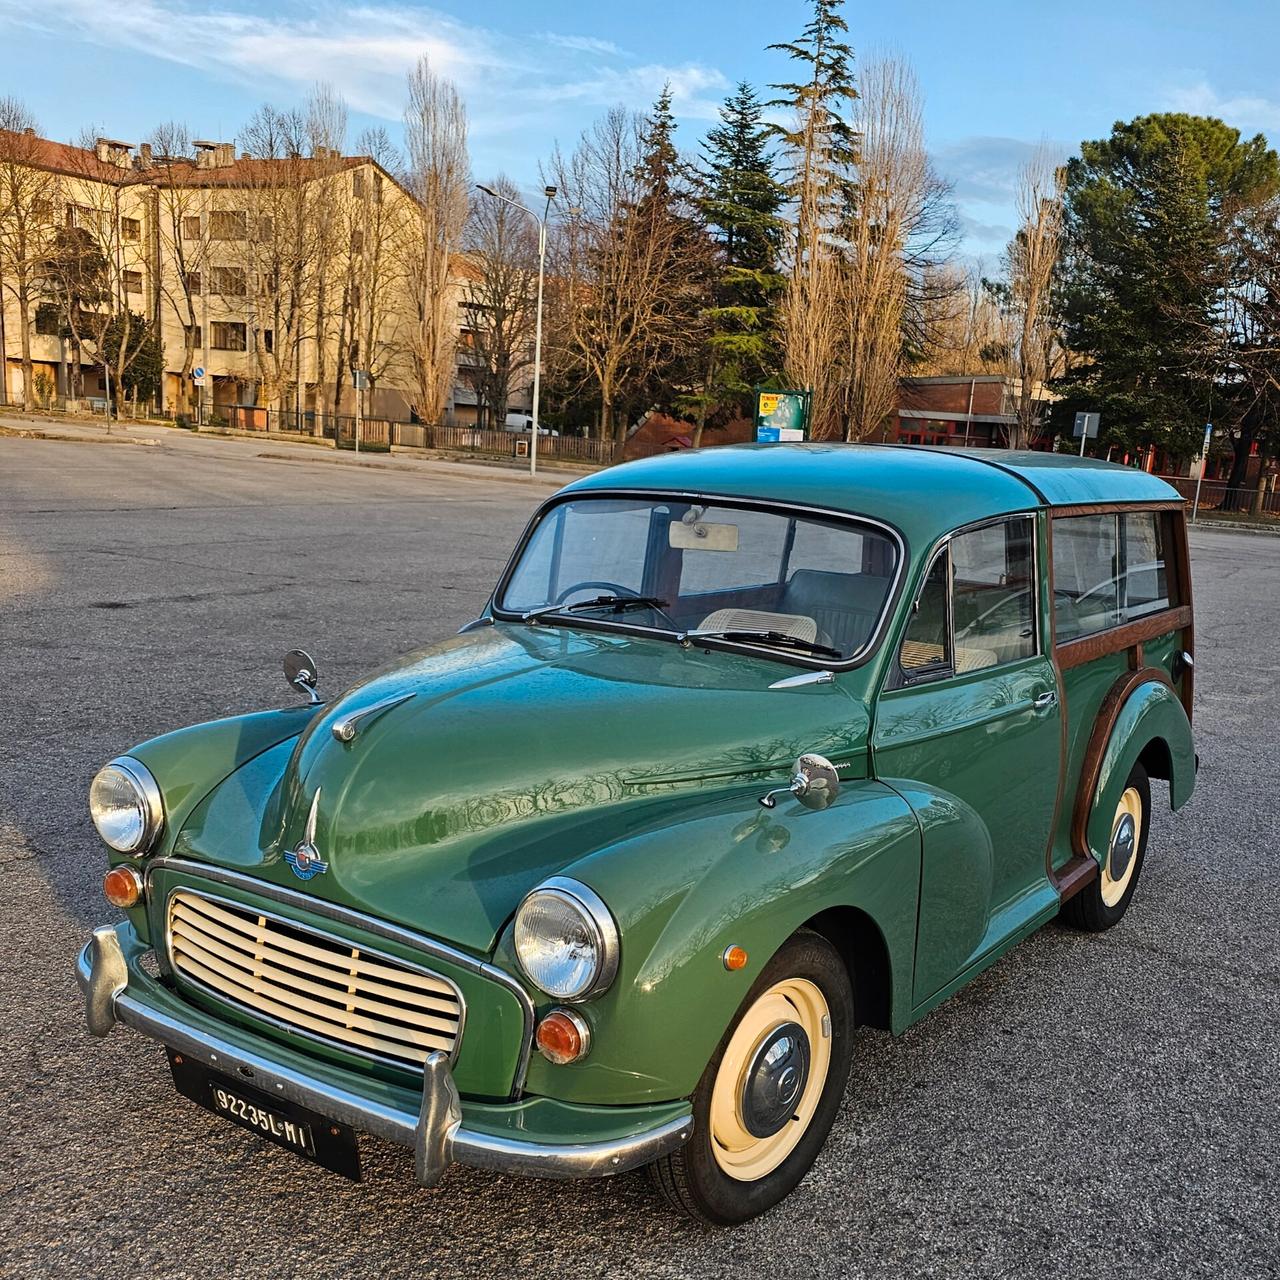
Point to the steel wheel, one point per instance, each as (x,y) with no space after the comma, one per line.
(1122,853)
(770,1079)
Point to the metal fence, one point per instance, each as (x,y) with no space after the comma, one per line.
(1218,497)
(381,434)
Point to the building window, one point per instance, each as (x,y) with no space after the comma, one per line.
(191,227)
(229,335)
(377,188)
(357,184)
(227,224)
(194,283)
(268,341)
(130,228)
(356,297)
(42,209)
(228,281)
(133,282)
(266,228)
(194,335)
(48,322)
(357,242)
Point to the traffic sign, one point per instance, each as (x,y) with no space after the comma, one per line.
(197,375)
(1086,424)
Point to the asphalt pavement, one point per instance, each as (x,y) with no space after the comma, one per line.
(1092,1105)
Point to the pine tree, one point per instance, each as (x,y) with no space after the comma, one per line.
(820,150)
(741,201)
(1149,217)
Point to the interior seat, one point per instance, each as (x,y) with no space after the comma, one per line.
(845,606)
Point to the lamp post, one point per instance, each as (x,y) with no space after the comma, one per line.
(550,193)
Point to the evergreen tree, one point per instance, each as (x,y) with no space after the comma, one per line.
(819,151)
(1149,220)
(741,201)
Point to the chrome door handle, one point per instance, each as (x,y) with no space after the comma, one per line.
(1046,700)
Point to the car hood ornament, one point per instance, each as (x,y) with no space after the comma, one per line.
(305,861)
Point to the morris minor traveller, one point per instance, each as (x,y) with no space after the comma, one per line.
(750,747)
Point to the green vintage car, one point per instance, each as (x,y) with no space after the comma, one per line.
(751,747)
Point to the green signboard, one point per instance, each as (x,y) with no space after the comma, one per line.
(781,416)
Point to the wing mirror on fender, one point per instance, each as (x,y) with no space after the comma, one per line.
(300,672)
(814,783)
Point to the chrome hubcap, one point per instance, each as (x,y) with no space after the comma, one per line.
(775,1079)
(1123,845)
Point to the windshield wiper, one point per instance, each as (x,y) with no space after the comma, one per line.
(778,639)
(616,604)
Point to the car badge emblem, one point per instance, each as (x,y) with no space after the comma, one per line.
(305,861)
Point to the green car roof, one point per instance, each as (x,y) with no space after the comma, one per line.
(922,491)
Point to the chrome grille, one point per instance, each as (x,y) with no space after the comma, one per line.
(311,982)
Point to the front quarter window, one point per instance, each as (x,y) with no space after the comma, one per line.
(807,584)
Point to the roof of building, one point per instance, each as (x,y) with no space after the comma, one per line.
(57,157)
(923,492)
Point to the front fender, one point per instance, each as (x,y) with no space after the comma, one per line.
(728,873)
(189,763)
(1152,712)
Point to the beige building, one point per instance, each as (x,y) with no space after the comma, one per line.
(276,277)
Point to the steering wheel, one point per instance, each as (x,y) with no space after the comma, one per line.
(613,588)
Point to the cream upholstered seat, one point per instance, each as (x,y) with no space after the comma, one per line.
(791,624)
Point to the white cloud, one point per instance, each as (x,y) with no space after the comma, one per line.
(1248,112)
(365,49)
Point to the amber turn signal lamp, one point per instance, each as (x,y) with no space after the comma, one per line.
(734,958)
(122,886)
(563,1036)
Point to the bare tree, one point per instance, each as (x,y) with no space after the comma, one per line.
(627,271)
(500,294)
(893,238)
(182,229)
(1031,259)
(438,177)
(29,198)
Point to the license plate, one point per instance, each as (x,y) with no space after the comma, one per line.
(298,1129)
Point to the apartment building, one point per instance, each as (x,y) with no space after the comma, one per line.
(275,277)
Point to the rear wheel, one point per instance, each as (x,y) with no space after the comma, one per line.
(1103,902)
(769,1095)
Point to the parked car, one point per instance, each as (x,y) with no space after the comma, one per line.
(750,747)
(524,422)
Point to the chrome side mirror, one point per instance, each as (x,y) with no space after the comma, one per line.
(300,672)
(815,783)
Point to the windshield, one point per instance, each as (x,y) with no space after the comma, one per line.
(785,581)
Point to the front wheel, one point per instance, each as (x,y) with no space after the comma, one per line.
(769,1095)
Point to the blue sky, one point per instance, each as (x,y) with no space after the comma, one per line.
(999,78)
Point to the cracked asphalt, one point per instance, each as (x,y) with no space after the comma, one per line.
(1098,1106)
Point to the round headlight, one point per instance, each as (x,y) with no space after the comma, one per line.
(566,940)
(124,802)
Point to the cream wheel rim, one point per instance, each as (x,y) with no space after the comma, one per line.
(792,1003)
(1126,836)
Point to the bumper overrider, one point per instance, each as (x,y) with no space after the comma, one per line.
(539,1137)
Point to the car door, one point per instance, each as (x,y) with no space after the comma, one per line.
(969,730)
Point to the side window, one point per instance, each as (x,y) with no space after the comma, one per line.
(1107,570)
(978,605)
(926,647)
(994,594)
(1086,572)
(1146,582)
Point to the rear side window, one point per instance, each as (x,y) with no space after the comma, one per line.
(1108,570)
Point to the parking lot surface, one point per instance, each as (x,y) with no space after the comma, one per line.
(1092,1105)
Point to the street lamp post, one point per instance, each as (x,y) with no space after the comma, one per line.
(550,193)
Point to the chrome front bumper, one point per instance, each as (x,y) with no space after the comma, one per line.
(437,1130)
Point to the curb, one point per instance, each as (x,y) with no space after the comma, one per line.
(1236,526)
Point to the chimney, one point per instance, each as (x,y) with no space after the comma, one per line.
(29,132)
(204,154)
(144,156)
(225,154)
